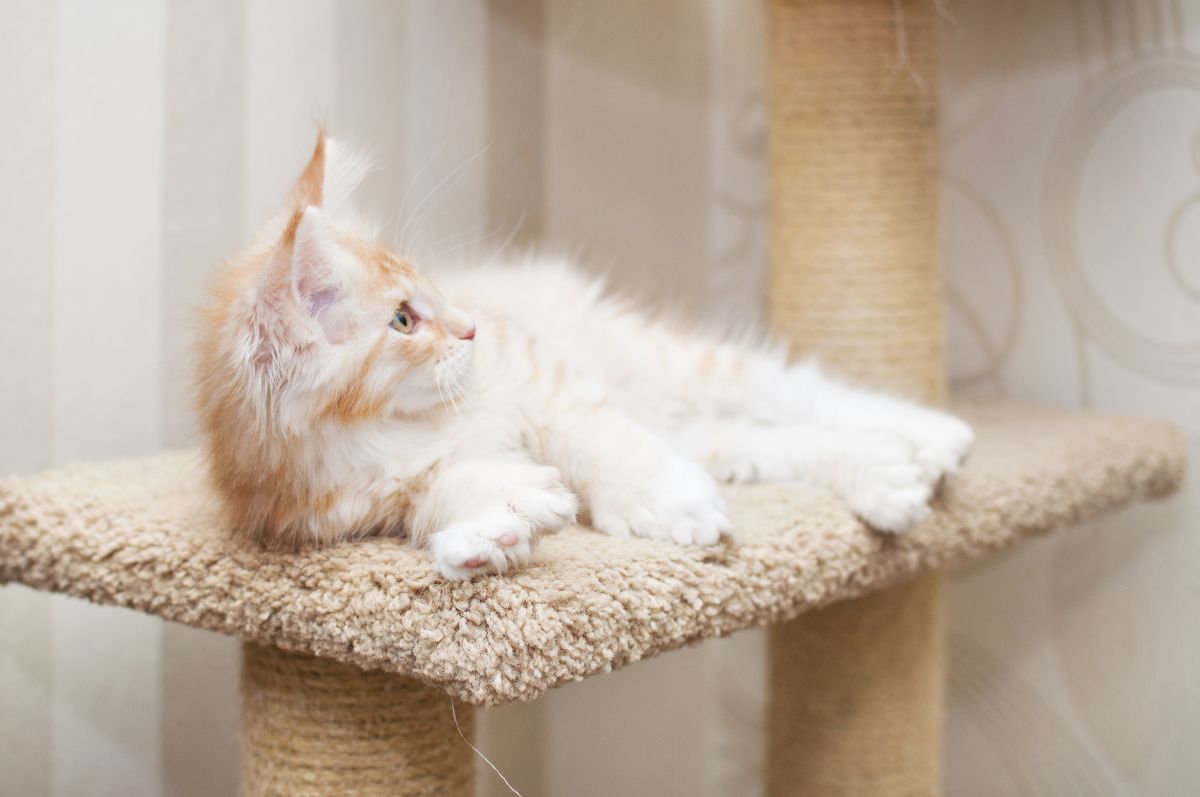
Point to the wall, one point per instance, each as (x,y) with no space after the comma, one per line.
(148,140)
(1072,238)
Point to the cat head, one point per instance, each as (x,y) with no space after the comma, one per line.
(321,324)
(316,330)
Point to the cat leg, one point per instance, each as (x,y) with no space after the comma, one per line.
(484,515)
(728,380)
(939,440)
(631,481)
(875,473)
(780,422)
(725,380)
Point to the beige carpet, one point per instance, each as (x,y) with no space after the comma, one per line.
(143,533)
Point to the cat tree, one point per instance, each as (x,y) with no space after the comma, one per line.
(350,653)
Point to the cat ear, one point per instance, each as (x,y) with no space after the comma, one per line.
(329,179)
(320,199)
(308,270)
(302,288)
(305,271)
(313,262)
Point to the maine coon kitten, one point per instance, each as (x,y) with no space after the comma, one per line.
(343,394)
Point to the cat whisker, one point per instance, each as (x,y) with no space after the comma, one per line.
(491,258)
(507,241)
(415,251)
(441,394)
(449,393)
(412,184)
(424,256)
(467,401)
(455,395)
(445,182)
(455,247)
(462,421)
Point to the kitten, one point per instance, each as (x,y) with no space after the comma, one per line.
(343,394)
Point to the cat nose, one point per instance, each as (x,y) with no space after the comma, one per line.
(469,334)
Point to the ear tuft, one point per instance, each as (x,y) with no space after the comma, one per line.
(329,179)
(345,169)
(310,188)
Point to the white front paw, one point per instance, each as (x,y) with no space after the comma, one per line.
(665,497)
(490,543)
(886,486)
(503,537)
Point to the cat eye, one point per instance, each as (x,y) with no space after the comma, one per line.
(403,320)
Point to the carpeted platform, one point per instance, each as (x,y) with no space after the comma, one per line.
(144,533)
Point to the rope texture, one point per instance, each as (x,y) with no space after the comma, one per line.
(312,727)
(855,270)
(857,689)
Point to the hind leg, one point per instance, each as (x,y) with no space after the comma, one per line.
(752,416)
(875,473)
(802,394)
(726,380)
(939,440)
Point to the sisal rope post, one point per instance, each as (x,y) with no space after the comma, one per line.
(856,690)
(314,727)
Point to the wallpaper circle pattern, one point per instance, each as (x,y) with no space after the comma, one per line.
(1127,96)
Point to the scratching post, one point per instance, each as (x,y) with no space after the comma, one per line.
(856,696)
(856,689)
(314,727)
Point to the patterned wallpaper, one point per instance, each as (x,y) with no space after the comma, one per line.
(147,139)
(1072,241)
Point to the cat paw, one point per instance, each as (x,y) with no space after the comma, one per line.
(887,487)
(501,539)
(491,543)
(671,498)
(940,441)
(543,501)
(735,471)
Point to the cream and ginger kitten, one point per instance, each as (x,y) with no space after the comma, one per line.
(344,395)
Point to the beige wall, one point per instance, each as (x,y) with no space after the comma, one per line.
(1072,237)
(146,140)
